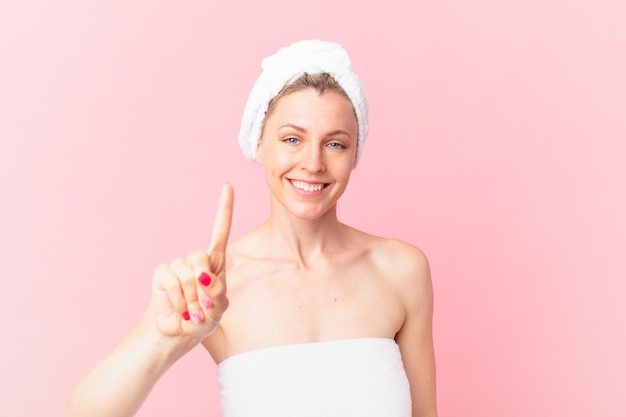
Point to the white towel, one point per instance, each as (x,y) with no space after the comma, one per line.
(284,67)
(353,377)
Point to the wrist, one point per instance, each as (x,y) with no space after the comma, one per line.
(159,350)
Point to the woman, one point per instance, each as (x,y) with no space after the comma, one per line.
(319,318)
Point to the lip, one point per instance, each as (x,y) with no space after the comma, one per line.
(305,193)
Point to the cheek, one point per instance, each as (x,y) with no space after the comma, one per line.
(280,157)
(342,173)
(275,165)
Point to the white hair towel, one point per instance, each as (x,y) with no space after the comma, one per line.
(287,65)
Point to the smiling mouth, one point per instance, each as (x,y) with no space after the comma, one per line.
(309,188)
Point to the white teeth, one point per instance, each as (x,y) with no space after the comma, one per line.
(307,187)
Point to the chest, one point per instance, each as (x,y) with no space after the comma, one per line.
(285,306)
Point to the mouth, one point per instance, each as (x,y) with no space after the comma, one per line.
(309,187)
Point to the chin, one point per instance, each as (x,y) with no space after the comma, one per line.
(310,213)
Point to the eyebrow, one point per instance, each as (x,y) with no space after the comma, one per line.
(301,129)
(291,125)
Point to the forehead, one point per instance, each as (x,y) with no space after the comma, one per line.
(308,108)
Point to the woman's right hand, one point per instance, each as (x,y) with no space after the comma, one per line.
(118,385)
(189,295)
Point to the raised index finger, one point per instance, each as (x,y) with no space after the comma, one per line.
(223,220)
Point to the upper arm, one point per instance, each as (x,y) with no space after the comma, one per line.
(415,337)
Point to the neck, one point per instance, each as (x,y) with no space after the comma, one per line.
(303,240)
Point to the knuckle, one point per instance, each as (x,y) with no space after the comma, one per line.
(183,271)
(171,285)
(178,262)
(197,256)
(162,269)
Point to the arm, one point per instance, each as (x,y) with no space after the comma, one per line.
(415,338)
(119,384)
(188,300)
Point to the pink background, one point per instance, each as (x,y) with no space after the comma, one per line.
(497,145)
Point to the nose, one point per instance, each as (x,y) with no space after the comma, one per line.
(313,159)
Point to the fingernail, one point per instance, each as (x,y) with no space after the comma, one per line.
(186,316)
(196,316)
(204,279)
(204,300)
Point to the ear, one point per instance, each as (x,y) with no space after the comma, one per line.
(258,158)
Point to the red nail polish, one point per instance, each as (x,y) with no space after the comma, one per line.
(206,302)
(204,279)
(186,316)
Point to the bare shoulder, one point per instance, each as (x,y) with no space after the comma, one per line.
(409,273)
(406,263)
(398,253)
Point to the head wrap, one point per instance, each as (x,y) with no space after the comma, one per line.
(286,66)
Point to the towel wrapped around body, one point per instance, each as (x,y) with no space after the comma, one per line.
(354,377)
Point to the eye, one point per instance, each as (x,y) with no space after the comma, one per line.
(291,141)
(336,145)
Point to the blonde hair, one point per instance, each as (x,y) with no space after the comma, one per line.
(322,83)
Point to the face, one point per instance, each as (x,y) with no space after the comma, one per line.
(308,150)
